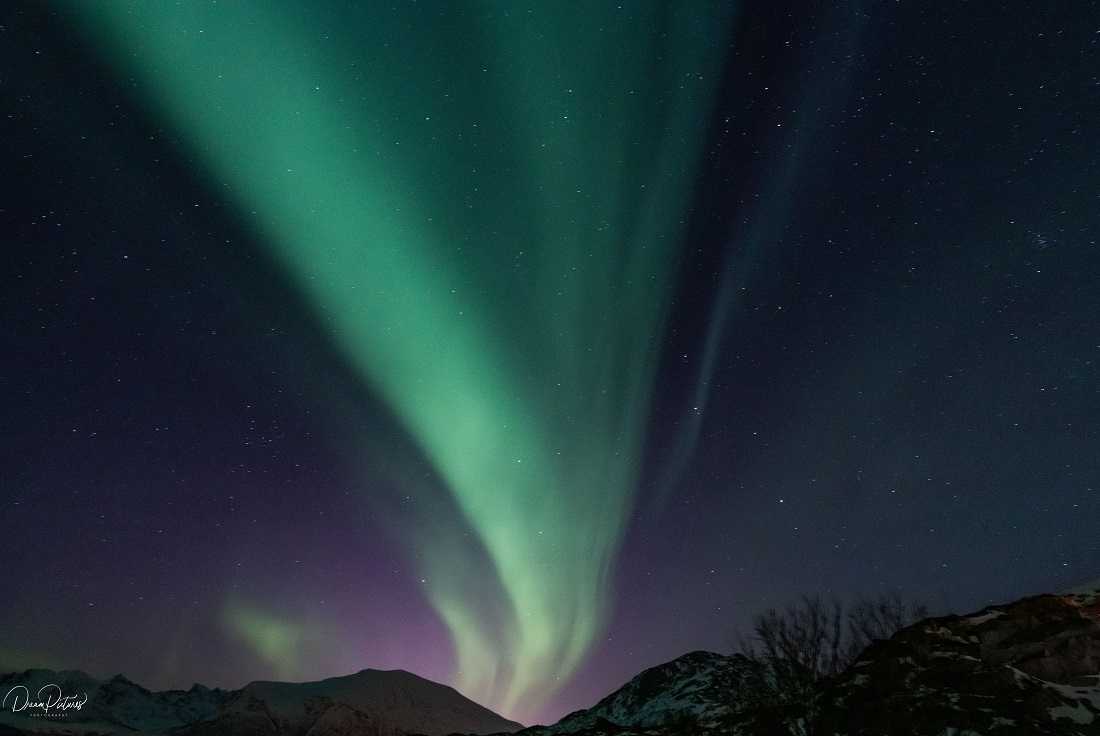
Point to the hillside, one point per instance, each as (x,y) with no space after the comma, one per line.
(1025,668)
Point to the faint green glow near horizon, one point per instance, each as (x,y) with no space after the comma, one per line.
(485,208)
(275,640)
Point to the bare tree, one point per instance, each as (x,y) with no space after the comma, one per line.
(790,650)
(809,634)
(879,618)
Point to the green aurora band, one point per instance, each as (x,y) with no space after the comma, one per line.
(277,641)
(485,204)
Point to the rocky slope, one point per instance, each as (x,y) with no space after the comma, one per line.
(697,688)
(371,703)
(1026,668)
(1029,667)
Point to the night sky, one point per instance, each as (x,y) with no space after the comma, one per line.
(524,346)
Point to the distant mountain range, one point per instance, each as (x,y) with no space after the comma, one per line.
(1028,668)
(370,703)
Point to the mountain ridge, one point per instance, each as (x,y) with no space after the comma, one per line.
(374,702)
(1026,668)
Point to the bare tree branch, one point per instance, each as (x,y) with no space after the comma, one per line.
(815,639)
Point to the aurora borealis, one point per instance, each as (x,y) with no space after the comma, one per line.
(524,346)
(526,387)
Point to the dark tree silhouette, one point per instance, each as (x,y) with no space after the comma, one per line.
(790,650)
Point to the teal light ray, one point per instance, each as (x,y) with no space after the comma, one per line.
(491,240)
